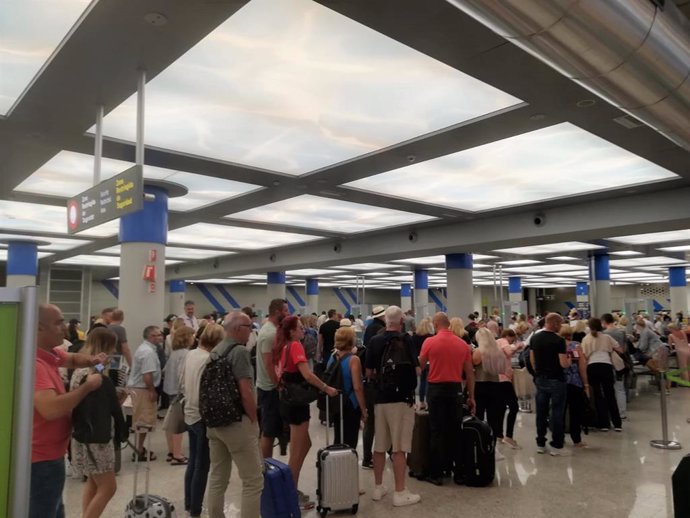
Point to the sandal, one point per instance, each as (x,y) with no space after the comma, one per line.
(179,461)
(169,458)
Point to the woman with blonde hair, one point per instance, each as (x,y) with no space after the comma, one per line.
(354,407)
(489,362)
(423,331)
(577,387)
(182,340)
(457,327)
(579,330)
(196,475)
(509,344)
(93,452)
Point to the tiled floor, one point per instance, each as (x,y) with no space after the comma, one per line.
(619,476)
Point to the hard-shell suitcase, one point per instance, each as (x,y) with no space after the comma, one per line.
(418,459)
(279,497)
(478,452)
(146,505)
(337,469)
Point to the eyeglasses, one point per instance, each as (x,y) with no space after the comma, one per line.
(245,325)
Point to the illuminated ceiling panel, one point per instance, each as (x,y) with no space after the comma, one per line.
(679,248)
(365,266)
(552,248)
(98,260)
(626,253)
(565,258)
(224,236)
(545,268)
(37,218)
(646,261)
(216,281)
(67,174)
(3,254)
(653,237)
(173,252)
(57,244)
(518,262)
(311,272)
(310,211)
(549,163)
(292,86)
(31,31)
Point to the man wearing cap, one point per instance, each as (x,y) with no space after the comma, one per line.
(377,325)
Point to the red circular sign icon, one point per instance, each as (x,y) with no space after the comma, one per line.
(72,214)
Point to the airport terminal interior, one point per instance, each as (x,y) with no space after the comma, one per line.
(517,157)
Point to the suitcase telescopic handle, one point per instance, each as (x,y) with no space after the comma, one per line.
(342,418)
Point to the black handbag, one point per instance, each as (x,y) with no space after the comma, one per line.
(294,389)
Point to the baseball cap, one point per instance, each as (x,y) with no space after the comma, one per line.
(346,322)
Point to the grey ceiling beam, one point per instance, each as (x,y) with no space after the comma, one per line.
(589,220)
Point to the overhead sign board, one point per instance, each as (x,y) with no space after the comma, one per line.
(110,199)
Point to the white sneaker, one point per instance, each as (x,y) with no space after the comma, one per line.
(402,498)
(560,452)
(379,492)
(541,449)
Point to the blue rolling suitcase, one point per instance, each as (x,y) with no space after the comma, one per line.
(279,497)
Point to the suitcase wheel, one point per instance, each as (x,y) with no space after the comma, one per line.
(354,509)
(323,511)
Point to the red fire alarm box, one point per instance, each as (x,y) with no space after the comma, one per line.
(150,272)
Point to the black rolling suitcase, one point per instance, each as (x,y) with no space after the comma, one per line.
(680,481)
(418,458)
(478,452)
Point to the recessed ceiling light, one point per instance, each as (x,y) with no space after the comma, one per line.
(517,262)
(625,253)
(550,248)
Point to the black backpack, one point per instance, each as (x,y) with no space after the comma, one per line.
(219,396)
(397,374)
(524,360)
(333,377)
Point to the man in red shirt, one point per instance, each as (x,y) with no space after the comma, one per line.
(448,357)
(52,412)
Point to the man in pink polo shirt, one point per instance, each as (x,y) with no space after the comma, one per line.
(52,413)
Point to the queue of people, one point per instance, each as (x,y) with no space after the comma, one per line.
(440,366)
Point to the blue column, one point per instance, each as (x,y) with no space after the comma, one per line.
(421,293)
(600,276)
(177,289)
(312,290)
(177,286)
(143,236)
(22,264)
(582,289)
(406,296)
(678,289)
(275,285)
(460,299)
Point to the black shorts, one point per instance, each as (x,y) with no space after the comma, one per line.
(294,414)
(269,407)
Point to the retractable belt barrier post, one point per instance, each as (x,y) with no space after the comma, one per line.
(664,443)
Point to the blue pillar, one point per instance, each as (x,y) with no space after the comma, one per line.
(678,289)
(514,289)
(22,264)
(275,285)
(406,296)
(460,300)
(421,293)
(143,236)
(312,290)
(600,275)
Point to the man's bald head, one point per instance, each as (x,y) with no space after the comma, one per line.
(238,326)
(51,326)
(441,321)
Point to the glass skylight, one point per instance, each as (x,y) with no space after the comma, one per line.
(98,260)
(36,218)
(311,272)
(31,30)
(564,258)
(545,268)
(653,237)
(554,162)
(224,236)
(679,248)
(292,86)
(173,252)
(645,261)
(625,253)
(40,255)
(68,173)
(310,211)
(365,266)
(57,244)
(552,248)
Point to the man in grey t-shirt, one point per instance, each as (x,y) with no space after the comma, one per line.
(267,379)
(236,442)
(619,335)
(116,320)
